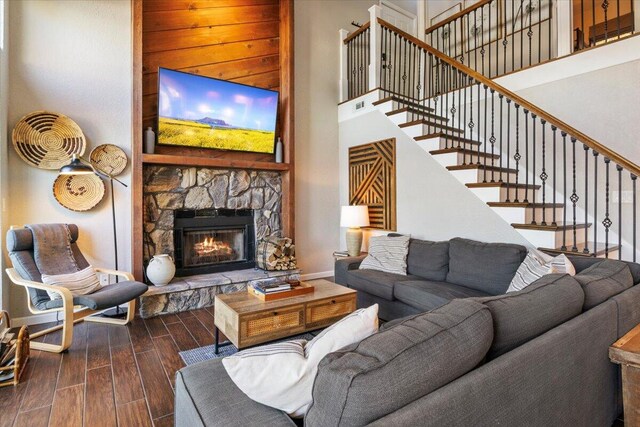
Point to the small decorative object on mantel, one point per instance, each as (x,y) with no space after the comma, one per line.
(276,253)
(47,140)
(279,151)
(14,351)
(161,269)
(78,192)
(149,141)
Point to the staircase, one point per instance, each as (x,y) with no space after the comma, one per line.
(560,189)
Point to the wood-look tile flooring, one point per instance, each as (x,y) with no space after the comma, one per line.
(111,375)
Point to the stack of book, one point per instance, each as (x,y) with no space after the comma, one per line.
(270,286)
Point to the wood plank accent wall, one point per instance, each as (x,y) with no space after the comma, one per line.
(245,41)
(372,181)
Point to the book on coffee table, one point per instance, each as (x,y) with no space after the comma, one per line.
(302,289)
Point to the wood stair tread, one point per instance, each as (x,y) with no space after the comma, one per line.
(550,227)
(403,101)
(453,138)
(481,166)
(429,123)
(524,205)
(463,151)
(501,185)
(417,111)
(599,250)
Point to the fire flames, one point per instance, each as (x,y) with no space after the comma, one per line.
(210,246)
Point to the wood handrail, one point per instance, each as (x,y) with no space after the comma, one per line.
(456,16)
(553,121)
(353,35)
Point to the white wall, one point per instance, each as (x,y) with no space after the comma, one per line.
(431,203)
(317,23)
(75,58)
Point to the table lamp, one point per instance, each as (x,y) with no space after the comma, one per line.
(354,217)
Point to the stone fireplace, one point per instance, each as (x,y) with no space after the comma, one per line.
(178,197)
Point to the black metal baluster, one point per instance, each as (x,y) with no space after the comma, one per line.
(404,67)
(593,22)
(460,89)
(530,32)
(453,107)
(634,178)
(517,156)
(505,42)
(543,175)
(521,34)
(492,138)
(540,32)
(526,156)
(619,169)
(548,30)
(475,43)
(482,50)
(471,124)
(618,21)
(513,38)
(464,121)
(484,141)
(555,175)
(533,125)
(574,195)
(605,6)
(586,199)
(508,148)
(501,135)
(349,72)
(606,221)
(479,123)
(564,192)
(582,29)
(489,41)
(595,202)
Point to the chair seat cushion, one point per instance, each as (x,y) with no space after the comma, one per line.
(106,297)
(375,282)
(426,295)
(206,396)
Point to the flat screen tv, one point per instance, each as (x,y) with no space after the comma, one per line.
(203,112)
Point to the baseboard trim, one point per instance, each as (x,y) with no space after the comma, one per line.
(318,275)
(34,319)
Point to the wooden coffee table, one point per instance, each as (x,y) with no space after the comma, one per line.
(246,320)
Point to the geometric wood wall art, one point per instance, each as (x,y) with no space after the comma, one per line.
(372,181)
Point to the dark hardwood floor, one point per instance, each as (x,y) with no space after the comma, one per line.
(111,375)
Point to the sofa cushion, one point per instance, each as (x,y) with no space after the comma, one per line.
(581,263)
(429,260)
(375,282)
(487,267)
(427,295)
(409,360)
(520,316)
(199,401)
(603,280)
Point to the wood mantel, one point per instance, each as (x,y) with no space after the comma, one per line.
(250,43)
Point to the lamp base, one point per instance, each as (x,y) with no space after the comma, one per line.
(354,241)
(117,312)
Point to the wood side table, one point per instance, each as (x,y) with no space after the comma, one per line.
(246,320)
(626,353)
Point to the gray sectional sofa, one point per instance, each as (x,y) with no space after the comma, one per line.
(437,272)
(537,357)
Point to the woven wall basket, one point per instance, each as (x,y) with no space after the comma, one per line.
(47,140)
(78,192)
(109,159)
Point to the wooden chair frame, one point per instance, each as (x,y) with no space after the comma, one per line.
(71,314)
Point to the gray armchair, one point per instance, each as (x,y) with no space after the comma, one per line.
(27,272)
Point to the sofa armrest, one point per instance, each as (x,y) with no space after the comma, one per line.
(345,264)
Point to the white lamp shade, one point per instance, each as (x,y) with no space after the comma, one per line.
(354,216)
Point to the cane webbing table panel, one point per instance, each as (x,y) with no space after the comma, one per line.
(247,320)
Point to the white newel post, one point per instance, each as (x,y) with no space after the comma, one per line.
(374,47)
(344,71)
(564,28)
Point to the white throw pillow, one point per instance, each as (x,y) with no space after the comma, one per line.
(81,282)
(281,375)
(388,254)
(538,264)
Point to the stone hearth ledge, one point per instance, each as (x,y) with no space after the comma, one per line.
(193,292)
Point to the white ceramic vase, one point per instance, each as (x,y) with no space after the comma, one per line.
(161,269)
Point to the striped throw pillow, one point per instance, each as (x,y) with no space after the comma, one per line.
(388,254)
(81,282)
(538,264)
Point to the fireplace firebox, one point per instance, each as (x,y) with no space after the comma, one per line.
(213,240)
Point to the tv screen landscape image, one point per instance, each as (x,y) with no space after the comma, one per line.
(203,112)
